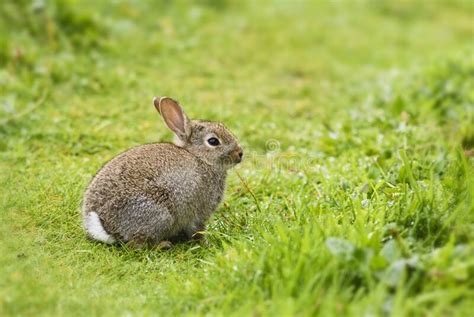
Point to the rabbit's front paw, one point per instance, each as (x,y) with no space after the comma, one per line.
(196,232)
(164,245)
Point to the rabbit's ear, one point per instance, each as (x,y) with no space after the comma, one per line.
(174,116)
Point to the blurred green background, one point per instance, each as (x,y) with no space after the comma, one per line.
(356,118)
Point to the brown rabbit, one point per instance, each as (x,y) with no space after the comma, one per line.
(162,191)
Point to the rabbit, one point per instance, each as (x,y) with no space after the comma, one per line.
(162,192)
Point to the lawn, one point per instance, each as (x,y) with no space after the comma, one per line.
(355,197)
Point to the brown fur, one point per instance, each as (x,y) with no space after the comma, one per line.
(161,191)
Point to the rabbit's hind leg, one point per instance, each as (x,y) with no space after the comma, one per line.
(144,222)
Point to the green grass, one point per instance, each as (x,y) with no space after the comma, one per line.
(357,123)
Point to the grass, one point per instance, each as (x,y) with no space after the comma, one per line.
(357,122)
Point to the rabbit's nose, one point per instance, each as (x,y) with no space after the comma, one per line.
(237,155)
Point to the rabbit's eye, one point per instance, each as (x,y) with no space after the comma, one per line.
(213,141)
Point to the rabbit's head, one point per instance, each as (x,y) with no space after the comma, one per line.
(210,141)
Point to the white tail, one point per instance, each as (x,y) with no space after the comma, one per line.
(95,229)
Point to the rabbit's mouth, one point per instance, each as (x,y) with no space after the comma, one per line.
(231,159)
